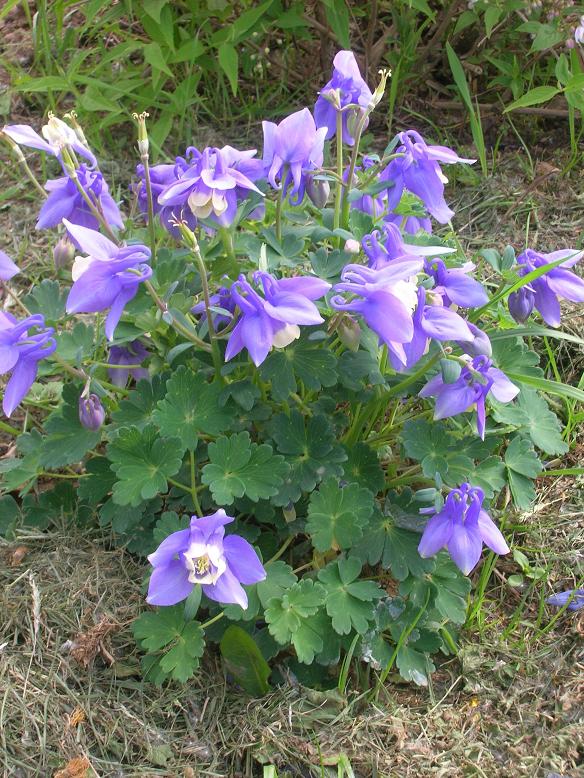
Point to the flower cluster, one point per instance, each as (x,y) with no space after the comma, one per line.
(239,255)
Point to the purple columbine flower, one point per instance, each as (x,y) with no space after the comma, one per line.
(462,526)
(291,149)
(203,555)
(161,177)
(477,380)
(386,299)
(66,202)
(272,320)
(431,322)
(345,88)
(221,299)
(20,353)
(91,412)
(383,246)
(374,205)
(211,186)
(455,285)
(543,292)
(410,224)
(7,267)
(108,278)
(419,172)
(57,135)
(480,345)
(561,598)
(132,355)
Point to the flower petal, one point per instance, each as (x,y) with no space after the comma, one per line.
(491,534)
(169,584)
(226,589)
(436,534)
(243,560)
(465,547)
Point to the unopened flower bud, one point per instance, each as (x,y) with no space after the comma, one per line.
(521,304)
(318,190)
(63,253)
(333,96)
(352,246)
(480,345)
(349,333)
(91,412)
(289,513)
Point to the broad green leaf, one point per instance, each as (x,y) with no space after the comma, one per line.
(48,299)
(97,482)
(513,356)
(229,62)
(239,467)
(522,465)
(308,639)
(446,585)
(308,362)
(311,450)
(142,462)
(244,661)
(540,94)
(154,57)
(337,15)
(9,515)
(67,440)
(183,642)
(248,19)
(74,345)
(349,602)
(137,408)
(168,523)
(362,467)
(337,516)
(286,614)
(531,414)
(414,665)
(395,548)
(191,407)
(279,578)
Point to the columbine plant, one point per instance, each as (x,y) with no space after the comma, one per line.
(348,387)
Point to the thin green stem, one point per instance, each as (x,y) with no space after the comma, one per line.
(352,165)
(194,495)
(213,620)
(340,183)
(24,164)
(179,485)
(280,203)
(215,352)
(176,324)
(8,429)
(151,224)
(280,551)
(227,240)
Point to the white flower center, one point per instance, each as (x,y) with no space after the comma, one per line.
(204,563)
(286,335)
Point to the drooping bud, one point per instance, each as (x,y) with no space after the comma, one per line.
(91,412)
(352,246)
(63,253)
(521,304)
(349,333)
(318,190)
(479,346)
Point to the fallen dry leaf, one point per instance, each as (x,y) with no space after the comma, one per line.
(75,768)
